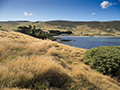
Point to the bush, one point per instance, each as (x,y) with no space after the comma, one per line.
(105,59)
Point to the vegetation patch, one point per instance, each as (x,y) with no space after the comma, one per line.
(105,59)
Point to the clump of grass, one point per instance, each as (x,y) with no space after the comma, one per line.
(65,65)
(90,79)
(53,52)
(49,44)
(35,48)
(2,52)
(26,72)
(13,89)
(9,50)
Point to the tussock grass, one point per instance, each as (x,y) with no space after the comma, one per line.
(90,77)
(14,89)
(53,52)
(65,65)
(26,72)
(31,63)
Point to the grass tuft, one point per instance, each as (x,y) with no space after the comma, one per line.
(25,72)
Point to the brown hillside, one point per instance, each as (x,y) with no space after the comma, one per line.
(30,63)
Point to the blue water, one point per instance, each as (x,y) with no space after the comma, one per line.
(90,42)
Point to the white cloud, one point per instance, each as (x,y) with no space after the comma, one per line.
(105,4)
(30,14)
(114,3)
(93,13)
(26,14)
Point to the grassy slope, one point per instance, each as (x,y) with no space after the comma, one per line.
(31,63)
(91,28)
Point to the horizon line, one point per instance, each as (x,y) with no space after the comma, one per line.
(58,20)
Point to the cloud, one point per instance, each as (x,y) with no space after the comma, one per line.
(114,3)
(93,13)
(26,14)
(105,4)
(30,14)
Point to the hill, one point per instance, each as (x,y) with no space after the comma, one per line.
(111,28)
(29,63)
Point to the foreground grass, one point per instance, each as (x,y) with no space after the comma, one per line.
(30,63)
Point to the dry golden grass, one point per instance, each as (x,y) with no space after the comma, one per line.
(53,52)
(27,71)
(31,63)
(14,89)
(84,73)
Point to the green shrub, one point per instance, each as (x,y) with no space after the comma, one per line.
(51,38)
(105,59)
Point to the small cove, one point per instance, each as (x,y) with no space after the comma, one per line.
(88,42)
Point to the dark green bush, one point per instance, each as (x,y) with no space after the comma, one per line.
(105,59)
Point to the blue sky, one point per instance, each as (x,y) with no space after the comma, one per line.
(71,10)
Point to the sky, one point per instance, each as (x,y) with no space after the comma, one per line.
(70,10)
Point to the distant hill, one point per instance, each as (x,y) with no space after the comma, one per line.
(111,27)
(88,28)
(100,25)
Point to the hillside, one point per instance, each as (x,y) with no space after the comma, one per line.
(29,63)
(111,28)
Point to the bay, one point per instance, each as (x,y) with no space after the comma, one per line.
(88,42)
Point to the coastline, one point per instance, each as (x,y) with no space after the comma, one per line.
(86,36)
(88,42)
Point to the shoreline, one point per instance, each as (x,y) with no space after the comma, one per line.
(86,36)
(102,40)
